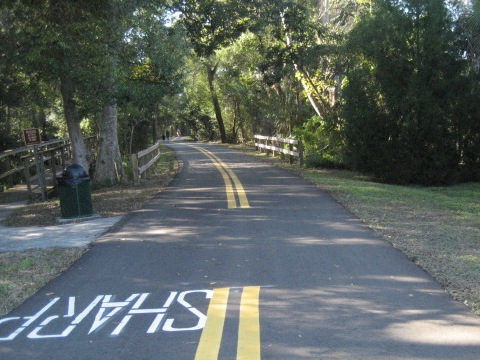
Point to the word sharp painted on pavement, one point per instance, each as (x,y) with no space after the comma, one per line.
(180,311)
(60,317)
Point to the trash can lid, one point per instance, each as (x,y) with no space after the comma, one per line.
(74,171)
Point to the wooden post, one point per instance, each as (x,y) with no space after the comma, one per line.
(62,157)
(145,161)
(68,147)
(300,152)
(53,163)
(150,169)
(290,147)
(40,173)
(26,173)
(8,167)
(136,176)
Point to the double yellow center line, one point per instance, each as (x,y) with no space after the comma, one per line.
(232,183)
(248,347)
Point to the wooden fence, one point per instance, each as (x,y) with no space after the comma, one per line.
(37,166)
(292,148)
(144,160)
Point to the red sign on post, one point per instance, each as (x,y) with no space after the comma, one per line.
(32,136)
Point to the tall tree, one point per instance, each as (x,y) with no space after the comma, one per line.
(52,44)
(308,34)
(404,90)
(155,75)
(120,28)
(469,20)
(210,25)
(109,167)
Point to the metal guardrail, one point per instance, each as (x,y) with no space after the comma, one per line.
(273,144)
(143,161)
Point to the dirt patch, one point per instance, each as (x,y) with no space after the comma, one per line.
(23,273)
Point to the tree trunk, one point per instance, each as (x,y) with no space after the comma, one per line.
(109,169)
(216,104)
(8,121)
(324,11)
(155,128)
(43,123)
(305,81)
(81,154)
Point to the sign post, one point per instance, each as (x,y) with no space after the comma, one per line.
(32,137)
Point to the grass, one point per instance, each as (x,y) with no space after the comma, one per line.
(438,228)
(22,274)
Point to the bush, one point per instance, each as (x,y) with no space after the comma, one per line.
(320,159)
(404,97)
(322,142)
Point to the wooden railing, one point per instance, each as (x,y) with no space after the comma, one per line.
(291,147)
(37,165)
(143,161)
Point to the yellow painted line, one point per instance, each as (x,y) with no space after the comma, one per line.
(211,338)
(248,347)
(228,176)
(242,196)
(232,203)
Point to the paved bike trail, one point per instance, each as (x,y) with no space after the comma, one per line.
(286,274)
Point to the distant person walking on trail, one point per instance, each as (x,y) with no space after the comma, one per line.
(168,135)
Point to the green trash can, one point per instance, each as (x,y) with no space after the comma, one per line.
(74,193)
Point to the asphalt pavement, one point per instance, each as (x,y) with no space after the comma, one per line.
(240,260)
